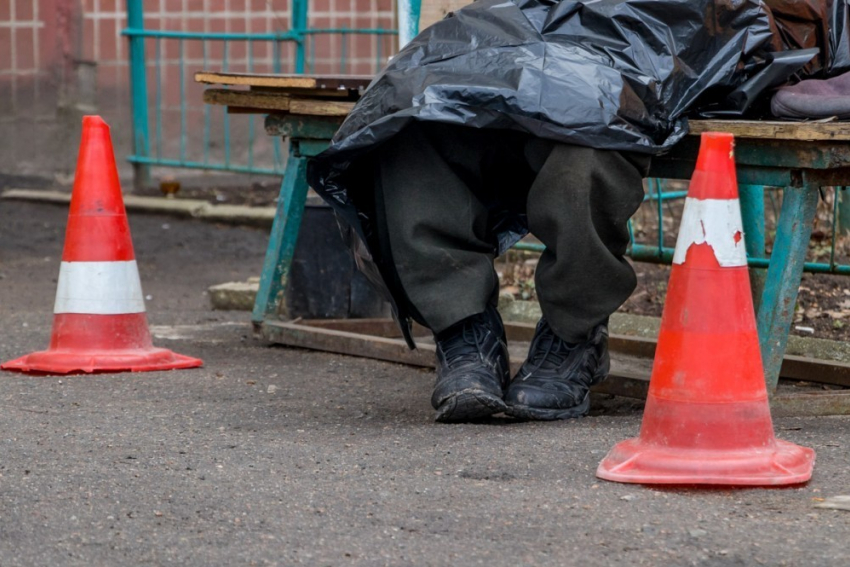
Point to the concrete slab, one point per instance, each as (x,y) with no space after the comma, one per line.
(235,296)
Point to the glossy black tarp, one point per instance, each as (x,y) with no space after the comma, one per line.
(611,74)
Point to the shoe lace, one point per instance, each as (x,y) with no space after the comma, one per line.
(466,345)
(549,351)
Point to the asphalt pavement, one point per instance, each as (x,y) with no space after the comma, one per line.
(278,456)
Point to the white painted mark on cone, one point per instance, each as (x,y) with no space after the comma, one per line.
(716,222)
(99,288)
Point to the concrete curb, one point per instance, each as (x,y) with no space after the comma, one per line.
(191,208)
(234,296)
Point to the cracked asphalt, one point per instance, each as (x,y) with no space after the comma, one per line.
(278,456)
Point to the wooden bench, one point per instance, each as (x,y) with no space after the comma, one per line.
(798,157)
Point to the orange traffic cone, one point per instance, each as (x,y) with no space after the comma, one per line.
(99,320)
(707,416)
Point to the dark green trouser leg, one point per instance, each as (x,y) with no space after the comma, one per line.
(437,231)
(436,191)
(578,207)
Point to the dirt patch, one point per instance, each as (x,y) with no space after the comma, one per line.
(823,304)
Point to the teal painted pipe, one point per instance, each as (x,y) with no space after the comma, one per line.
(666,196)
(299,24)
(293,35)
(529,247)
(138,31)
(752,215)
(183,126)
(415,12)
(651,255)
(158,97)
(659,201)
(139,93)
(251,116)
(372,31)
(226,114)
(201,165)
(783,277)
(843,218)
(408,20)
(283,238)
(343,41)
(207,117)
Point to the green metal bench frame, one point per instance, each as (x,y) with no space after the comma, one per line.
(800,167)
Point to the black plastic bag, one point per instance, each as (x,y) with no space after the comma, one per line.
(609,74)
(820,24)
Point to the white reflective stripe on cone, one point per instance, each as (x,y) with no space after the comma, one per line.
(716,222)
(99,288)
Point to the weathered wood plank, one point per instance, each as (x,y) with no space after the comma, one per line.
(316,107)
(776,130)
(291,84)
(629,374)
(337,94)
(247,99)
(277,102)
(793,367)
(344,342)
(345,82)
(623,380)
(382,327)
(300,126)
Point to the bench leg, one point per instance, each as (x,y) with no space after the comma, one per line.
(783,277)
(752,211)
(283,237)
(843,196)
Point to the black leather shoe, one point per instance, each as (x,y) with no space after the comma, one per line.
(554,382)
(472,369)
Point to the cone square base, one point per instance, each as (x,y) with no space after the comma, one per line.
(779,464)
(86,362)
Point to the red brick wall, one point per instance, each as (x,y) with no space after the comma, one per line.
(32,37)
(41,41)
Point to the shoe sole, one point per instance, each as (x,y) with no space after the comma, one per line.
(542,414)
(469,405)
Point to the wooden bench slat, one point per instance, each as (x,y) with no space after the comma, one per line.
(775,130)
(315,107)
(350,82)
(329,86)
(247,99)
(280,102)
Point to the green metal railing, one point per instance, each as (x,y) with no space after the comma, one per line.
(151,129)
(753,208)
